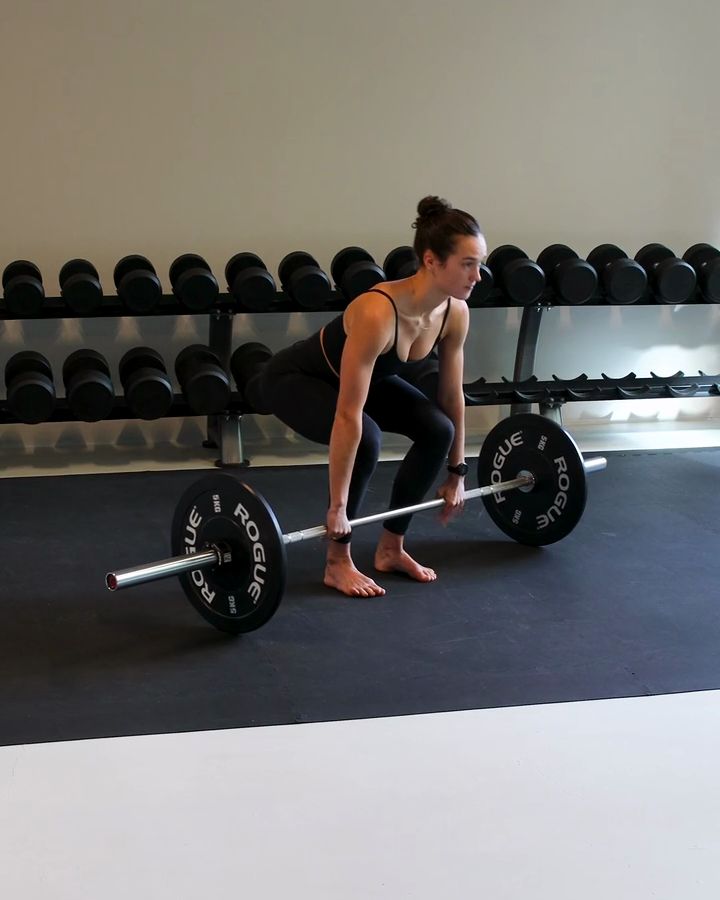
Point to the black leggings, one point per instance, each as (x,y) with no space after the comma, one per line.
(307,405)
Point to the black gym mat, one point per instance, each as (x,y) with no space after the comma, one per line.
(625,606)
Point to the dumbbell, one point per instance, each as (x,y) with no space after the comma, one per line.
(23,288)
(249,281)
(148,390)
(672,280)
(705,260)
(483,288)
(622,280)
(203,380)
(354,271)
(80,286)
(573,279)
(245,363)
(402,262)
(303,280)
(88,386)
(30,388)
(193,282)
(137,283)
(517,276)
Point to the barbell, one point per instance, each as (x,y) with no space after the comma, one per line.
(229,551)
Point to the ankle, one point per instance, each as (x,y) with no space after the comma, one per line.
(390,542)
(338,554)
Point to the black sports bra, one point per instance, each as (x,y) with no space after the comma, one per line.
(333,337)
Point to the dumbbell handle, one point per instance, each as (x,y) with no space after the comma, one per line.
(176,565)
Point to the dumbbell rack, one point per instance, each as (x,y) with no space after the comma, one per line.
(553,393)
(224,430)
(550,395)
(520,393)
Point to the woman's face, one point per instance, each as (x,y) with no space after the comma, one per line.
(460,272)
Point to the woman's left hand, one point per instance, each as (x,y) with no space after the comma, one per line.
(452,491)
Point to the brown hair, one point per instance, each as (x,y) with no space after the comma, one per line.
(438,226)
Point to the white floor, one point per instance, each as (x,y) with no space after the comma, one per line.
(608,799)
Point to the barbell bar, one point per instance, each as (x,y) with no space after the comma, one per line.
(230,552)
(176,565)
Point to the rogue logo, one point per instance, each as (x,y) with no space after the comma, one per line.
(191,535)
(501,454)
(561,498)
(258,552)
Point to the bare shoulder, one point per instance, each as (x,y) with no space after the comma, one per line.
(459,316)
(369,310)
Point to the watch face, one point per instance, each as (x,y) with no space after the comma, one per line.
(459,469)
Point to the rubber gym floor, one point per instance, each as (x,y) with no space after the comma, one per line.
(536,723)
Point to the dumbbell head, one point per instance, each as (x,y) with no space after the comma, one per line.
(304,280)
(673,279)
(137,283)
(483,288)
(88,386)
(30,388)
(204,383)
(705,260)
(520,279)
(80,286)
(623,280)
(193,283)
(354,271)
(574,280)
(402,262)
(148,390)
(245,364)
(23,288)
(249,281)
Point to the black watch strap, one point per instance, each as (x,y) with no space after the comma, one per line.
(459,469)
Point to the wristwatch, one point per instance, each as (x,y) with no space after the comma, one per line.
(459,469)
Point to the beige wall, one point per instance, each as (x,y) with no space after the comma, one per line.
(161,127)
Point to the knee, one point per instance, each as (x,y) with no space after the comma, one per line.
(441,433)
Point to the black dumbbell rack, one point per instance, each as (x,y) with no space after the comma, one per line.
(551,403)
(558,391)
(224,430)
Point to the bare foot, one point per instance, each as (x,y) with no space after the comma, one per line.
(390,559)
(342,575)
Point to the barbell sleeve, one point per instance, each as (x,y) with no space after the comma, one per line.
(164,568)
(596,464)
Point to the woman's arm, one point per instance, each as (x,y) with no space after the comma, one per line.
(451,400)
(369,329)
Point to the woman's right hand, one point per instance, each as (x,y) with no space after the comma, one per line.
(337,523)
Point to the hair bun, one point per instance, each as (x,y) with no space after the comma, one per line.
(430,207)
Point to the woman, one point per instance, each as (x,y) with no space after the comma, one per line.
(343,386)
